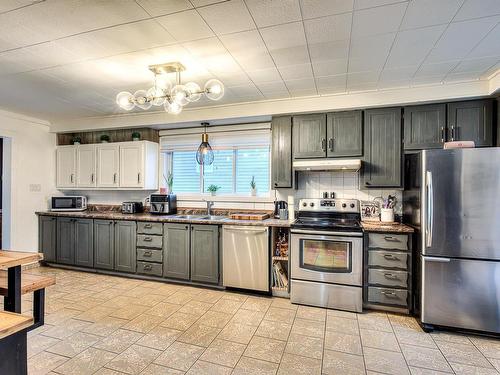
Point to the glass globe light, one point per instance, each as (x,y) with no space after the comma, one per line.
(180,94)
(204,154)
(214,89)
(173,108)
(125,100)
(156,95)
(141,99)
(194,91)
(163,82)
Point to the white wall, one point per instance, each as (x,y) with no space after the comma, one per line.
(29,178)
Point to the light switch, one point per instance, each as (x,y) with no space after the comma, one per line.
(35,187)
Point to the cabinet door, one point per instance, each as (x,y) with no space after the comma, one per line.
(176,251)
(281,152)
(345,134)
(309,136)
(424,126)
(47,237)
(107,165)
(471,121)
(65,240)
(125,246)
(86,166)
(104,244)
(84,242)
(66,166)
(382,139)
(132,164)
(205,253)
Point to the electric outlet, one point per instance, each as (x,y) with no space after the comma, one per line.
(35,187)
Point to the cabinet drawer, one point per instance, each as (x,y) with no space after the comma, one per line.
(388,296)
(149,228)
(388,241)
(149,255)
(146,268)
(390,259)
(151,241)
(387,277)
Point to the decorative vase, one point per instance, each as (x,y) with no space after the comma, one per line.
(387,215)
(253,192)
(212,193)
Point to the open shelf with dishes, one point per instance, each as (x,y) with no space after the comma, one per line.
(280,262)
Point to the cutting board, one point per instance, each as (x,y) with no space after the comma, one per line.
(249,216)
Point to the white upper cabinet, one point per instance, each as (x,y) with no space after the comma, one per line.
(86,166)
(66,166)
(121,166)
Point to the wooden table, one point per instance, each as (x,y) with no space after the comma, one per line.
(12,262)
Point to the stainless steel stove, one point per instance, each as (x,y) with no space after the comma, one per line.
(327,254)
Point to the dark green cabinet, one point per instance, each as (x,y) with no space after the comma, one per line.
(104,244)
(345,134)
(309,136)
(84,242)
(382,148)
(65,240)
(471,121)
(75,241)
(205,253)
(47,237)
(176,252)
(424,126)
(125,246)
(281,152)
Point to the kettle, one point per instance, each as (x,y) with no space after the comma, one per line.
(279,205)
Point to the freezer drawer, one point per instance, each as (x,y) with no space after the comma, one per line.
(461,293)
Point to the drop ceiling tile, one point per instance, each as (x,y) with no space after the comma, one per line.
(363,4)
(460,38)
(295,85)
(228,17)
(290,56)
(422,13)
(320,8)
(235,79)
(462,77)
(248,49)
(478,8)
(303,93)
(489,46)
(9,5)
(398,74)
(329,67)
(249,92)
(476,65)
(328,29)
(296,71)
(264,75)
(186,26)
(162,7)
(201,3)
(438,69)
(205,48)
(369,54)
(491,71)
(284,36)
(362,78)
(394,84)
(331,83)
(270,87)
(272,12)
(329,51)
(380,20)
(13,62)
(362,87)
(412,46)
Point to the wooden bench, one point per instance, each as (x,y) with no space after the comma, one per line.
(31,283)
(13,343)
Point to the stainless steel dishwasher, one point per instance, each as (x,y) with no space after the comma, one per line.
(245,254)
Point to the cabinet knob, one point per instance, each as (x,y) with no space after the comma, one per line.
(275,184)
(187,227)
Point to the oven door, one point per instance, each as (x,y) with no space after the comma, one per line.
(327,258)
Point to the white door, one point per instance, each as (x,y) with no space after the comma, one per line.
(85,166)
(132,165)
(66,166)
(108,165)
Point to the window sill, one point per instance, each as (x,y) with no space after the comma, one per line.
(224,198)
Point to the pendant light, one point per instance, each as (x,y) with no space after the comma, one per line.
(205,154)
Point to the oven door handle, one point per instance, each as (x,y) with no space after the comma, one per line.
(326,234)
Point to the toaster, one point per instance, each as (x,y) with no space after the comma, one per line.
(132,207)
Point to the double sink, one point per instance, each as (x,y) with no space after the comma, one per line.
(199,217)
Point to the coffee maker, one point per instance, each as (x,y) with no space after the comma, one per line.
(163,204)
(280,205)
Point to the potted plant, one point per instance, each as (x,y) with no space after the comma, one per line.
(136,136)
(169,182)
(76,140)
(253,186)
(212,189)
(104,138)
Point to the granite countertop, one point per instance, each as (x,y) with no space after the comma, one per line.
(114,215)
(386,227)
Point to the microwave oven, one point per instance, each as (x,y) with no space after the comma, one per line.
(68,203)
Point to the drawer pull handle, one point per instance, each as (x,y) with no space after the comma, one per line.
(148,226)
(390,257)
(389,294)
(391,276)
(148,267)
(148,239)
(148,253)
(391,239)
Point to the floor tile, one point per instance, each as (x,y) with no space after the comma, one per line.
(199,334)
(466,354)
(252,366)
(305,346)
(311,313)
(385,362)
(343,342)
(241,333)
(105,326)
(129,312)
(379,340)
(280,315)
(39,343)
(228,306)
(144,323)
(215,319)
(74,344)
(44,362)
(336,363)
(178,298)
(374,322)
(258,304)
(118,341)
(87,362)
(160,338)
(341,314)
(488,346)
(265,349)
(426,358)
(308,327)
(195,308)
(222,352)
(163,309)
(154,369)
(180,356)
(274,330)
(461,369)
(179,321)
(296,365)
(249,317)
(425,371)
(96,313)
(450,336)
(66,329)
(343,325)
(207,368)
(283,303)
(416,338)
(133,360)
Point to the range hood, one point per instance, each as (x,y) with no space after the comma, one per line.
(327,165)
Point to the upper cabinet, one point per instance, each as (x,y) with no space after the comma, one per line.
(345,134)
(471,121)
(309,136)
(424,126)
(122,165)
(281,153)
(382,140)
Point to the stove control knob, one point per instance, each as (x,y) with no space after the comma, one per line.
(333,204)
(352,205)
(344,205)
(311,204)
(304,204)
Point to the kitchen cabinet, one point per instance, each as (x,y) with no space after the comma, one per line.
(471,121)
(74,241)
(309,136)
(108,165)
(125,246)
(65,240)
(424,126)
(382,148)
(176,248)
(84,242)
(205,253)
(139,165)
(281,152)
(47,237)
(104,244)
(345,134)
(66,167)
(86,166)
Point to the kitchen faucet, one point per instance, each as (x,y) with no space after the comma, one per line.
(210,204)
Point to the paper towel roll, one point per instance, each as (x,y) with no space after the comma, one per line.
(291,208)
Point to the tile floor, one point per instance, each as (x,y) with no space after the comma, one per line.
(108,325)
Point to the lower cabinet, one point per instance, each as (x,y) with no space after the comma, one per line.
(84,242)
(75,242)
(205,253)
(176,251)
(104,244)
(125,246)
(65,240)
(47,237)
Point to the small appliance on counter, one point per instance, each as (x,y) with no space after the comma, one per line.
(163,204)
(68,203)
(132,208)
(280,210)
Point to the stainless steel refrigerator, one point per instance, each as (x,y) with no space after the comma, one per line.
(452,197)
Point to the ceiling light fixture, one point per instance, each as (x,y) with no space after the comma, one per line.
(173,98)
(205,154)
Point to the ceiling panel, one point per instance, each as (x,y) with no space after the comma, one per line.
(476,65)
(329,67)
(162,7)
(272,12)
(380,20)
(264,75)
(478,8)
(368,54)
(248,49)
(301,71)
(328,29)
(331,84)
(329,51)
(320,8)
(186,26)
(436,70)
(228,17)
(363,4)
(422,13)
(489,46)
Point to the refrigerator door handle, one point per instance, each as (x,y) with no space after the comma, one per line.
(430,208)
(437,260)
